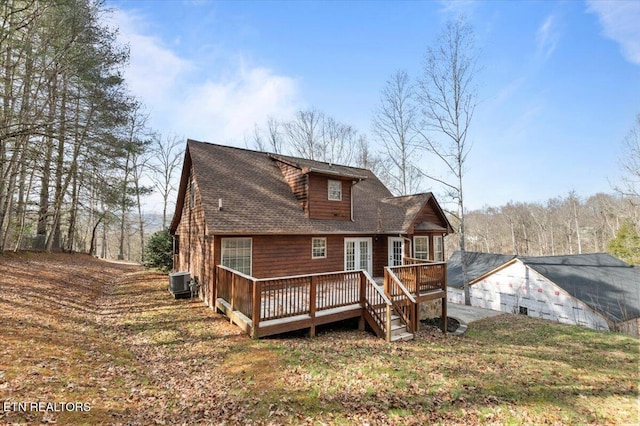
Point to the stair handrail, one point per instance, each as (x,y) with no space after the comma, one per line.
(404,290)
(389,304)
(412,319)
(372,282)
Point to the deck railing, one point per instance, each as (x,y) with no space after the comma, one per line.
(377,306)
(415,261)
(236,288)
(307,296)
(284,297)
(404,304)
(420,278)
(265,299)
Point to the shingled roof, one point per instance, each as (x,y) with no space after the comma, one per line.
(478,264)
(607,284)
(256,199)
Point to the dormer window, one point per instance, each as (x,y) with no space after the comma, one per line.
(335,190)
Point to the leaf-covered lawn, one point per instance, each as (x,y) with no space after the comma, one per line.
(79,329)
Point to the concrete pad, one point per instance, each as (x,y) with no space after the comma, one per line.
(467,314)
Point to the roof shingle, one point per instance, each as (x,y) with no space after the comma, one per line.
(256,198)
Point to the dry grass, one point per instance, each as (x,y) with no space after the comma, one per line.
(137,356)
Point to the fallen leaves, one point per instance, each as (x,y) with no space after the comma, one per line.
(79,329)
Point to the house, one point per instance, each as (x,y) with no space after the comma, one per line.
(266,215)
(592,290)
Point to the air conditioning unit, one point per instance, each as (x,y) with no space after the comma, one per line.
(179,283)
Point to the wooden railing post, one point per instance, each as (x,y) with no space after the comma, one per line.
(256,308)
(363,299)
(386,283)
(233,291)
(388,324)
(312,304)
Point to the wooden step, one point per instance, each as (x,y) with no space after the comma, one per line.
(396,320)
(395,328)
(402,337)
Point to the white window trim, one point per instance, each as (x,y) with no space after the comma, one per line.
(222,252)
(329,192)
(313,240)
(415,246)
(438,255)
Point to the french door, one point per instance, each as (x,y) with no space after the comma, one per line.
(357,254)
(396,251)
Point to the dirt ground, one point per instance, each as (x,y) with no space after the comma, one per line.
(91,342)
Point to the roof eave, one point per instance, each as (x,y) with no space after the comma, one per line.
(184,178)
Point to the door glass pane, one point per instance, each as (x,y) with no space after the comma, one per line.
(364,255)
(397,253)
(351,258)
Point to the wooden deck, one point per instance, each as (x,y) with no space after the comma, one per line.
(268,306)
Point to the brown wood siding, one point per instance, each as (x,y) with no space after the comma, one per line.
(195,253)
(429,213)
(380,255)
(298,182)
(320,207)
(284,255)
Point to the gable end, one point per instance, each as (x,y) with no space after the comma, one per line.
(298,182)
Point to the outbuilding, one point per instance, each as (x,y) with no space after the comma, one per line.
(596,290)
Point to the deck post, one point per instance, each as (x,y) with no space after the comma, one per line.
(386,284)
(443,319)
(255,308)
(388,324)
(233,292)
(312,305)
(363,297)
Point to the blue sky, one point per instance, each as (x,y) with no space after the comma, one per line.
(558,91)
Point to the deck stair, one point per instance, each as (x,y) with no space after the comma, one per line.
(399,330)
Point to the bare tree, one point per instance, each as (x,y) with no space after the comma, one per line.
(395,124)
(448,97)
(367,159)
(274,135)
(270,141)
(133,144)
(630,163)
(303,134)
(316,136)
(255,140)
(168,155)
(337,141)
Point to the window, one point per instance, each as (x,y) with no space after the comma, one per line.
(335,190)
(176,244)
(421,247)
(438,252)
(236,254)
(318,248)
(523,310)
